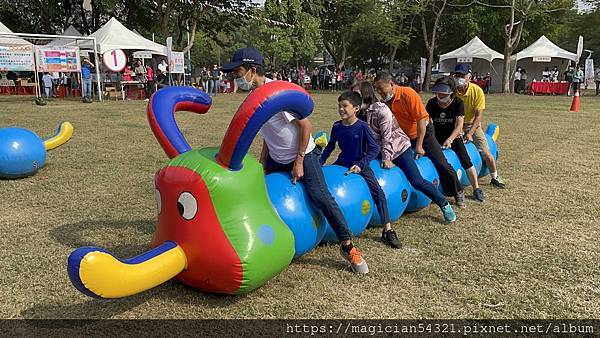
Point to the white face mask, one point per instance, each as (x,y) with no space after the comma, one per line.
(389,97)
(244,84)
(461,82)
(364,106)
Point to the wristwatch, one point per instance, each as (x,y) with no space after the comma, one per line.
(301,154)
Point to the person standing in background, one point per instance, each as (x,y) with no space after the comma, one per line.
(214,80)
(523,84)
(150,84)
(554,74)
(517,81)
(86,77)
(597,80)
(47,79)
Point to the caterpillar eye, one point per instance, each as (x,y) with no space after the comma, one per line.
(187,205)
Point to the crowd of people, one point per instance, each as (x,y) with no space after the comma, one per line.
(378,119)
(575,76)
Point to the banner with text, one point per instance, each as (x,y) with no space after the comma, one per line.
(58,59)
(16,58)
(177,63)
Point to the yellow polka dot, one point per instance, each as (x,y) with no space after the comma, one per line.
(366,207)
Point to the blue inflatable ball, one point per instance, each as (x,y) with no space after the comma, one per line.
(475,159)
(453,160)
(352,195)
(417,199)
(22,153)
(494,150)
(396,189)
(294,207)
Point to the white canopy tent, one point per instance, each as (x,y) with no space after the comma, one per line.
(11,41)
(482,58)
(113,35)
(539,55)
(61,41)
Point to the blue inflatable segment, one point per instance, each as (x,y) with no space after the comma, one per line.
(475,158)
(296,210)
(352,195)
(417,199)
(494,150)
(22,153)
(396,188)
(453,160)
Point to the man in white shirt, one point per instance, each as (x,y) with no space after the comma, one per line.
(288,147)
(162,66)
(517,81)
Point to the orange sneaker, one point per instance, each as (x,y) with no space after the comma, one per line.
(356,260)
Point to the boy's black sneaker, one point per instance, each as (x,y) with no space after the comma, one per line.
(390,238)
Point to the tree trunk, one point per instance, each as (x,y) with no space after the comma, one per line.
(506,71)
(86,27)
(192,35)
(427,79)
(165,19)
(392,57)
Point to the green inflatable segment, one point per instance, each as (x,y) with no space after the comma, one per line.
(264,244)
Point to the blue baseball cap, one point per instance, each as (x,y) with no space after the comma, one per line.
(462,68)
(441,88)
(241,56)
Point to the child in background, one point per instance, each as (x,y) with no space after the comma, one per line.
(47,80)
(358,147)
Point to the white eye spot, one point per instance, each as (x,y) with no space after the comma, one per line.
(187,205)
(158,202)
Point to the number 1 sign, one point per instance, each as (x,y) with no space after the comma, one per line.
(115,59)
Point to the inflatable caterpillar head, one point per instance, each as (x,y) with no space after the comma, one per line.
(216,229)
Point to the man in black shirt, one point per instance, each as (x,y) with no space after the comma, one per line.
(447,113)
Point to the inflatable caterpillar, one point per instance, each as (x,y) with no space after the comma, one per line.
(222,226)
(22,152)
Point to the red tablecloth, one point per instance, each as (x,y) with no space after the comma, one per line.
(559,88)
(480,83)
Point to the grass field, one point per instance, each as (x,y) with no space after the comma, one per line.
(530,251)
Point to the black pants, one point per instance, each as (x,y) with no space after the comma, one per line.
(458,146)
(316,188)
(597,87)
(433,151)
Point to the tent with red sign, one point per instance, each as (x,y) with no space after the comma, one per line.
(482,59)
(114,35)
(539,55)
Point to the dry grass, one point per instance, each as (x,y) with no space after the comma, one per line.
(530,251)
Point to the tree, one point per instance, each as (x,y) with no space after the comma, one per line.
(430,17)
(396,19)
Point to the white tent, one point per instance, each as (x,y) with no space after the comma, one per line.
(539,55)
(482,58)
(10,41)
(59,42)
(113,35)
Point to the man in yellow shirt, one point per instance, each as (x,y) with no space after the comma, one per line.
(474,100)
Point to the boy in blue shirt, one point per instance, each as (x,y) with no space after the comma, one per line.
(358,147)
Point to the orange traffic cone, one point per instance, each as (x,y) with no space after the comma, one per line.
(575,105)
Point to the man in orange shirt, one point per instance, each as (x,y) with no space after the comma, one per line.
(407,107)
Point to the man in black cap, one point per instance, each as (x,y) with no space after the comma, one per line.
(474,100)
(288,147)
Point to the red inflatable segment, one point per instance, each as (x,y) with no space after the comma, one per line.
(192,223)
(262,104)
